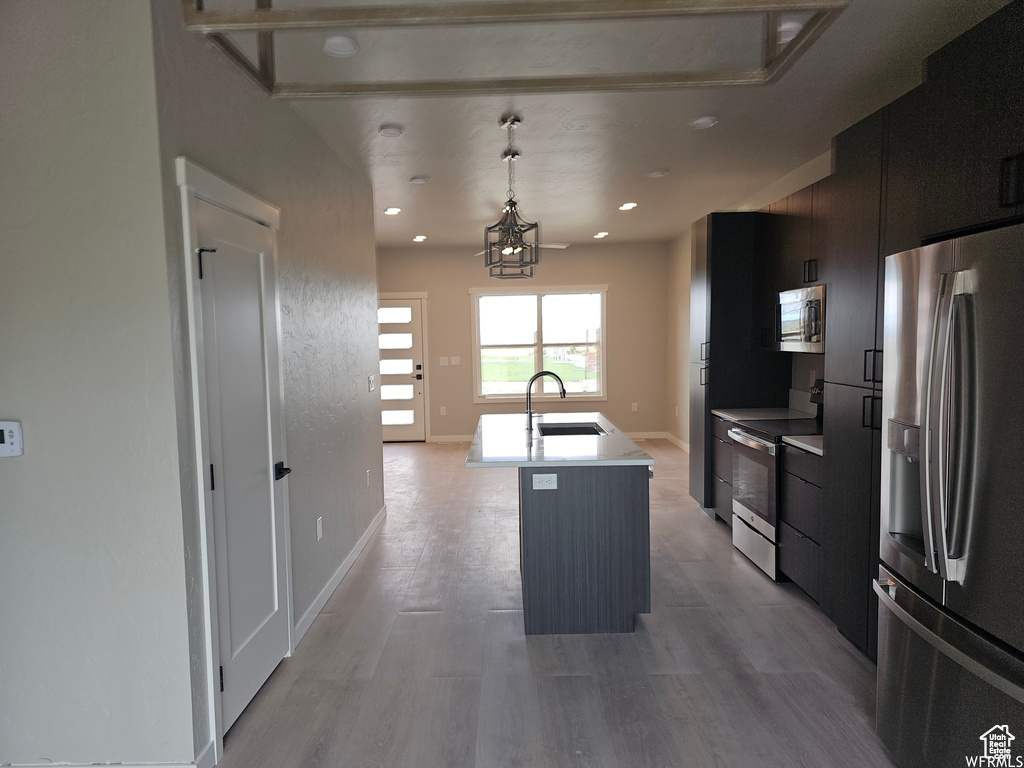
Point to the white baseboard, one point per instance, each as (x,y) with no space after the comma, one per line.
(303,624)
(108,765)
(450,439)
(646,435)
(208,757)
(677,442)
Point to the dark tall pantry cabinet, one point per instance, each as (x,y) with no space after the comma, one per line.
(732,363)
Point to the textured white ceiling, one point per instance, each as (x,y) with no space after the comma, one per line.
(585,154)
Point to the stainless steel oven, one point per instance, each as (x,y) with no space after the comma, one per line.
(800,320)
(754,498)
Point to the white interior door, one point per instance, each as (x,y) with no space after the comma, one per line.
(242,397)
(400,338)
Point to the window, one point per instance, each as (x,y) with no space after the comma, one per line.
(518,334)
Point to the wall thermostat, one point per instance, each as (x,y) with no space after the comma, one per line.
(10,439)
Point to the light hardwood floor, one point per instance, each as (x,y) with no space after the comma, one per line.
(419,658)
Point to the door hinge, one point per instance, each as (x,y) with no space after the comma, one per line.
(222,679)
(213,482)
(200,252)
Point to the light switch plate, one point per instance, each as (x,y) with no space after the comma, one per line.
(371,382)
(319,528)
(10,439)
(633,407)
(444,410)
(443,362)
(545,482)
(455,360)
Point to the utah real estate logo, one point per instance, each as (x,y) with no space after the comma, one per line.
(998,750)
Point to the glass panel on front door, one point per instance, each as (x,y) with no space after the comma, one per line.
(400,340)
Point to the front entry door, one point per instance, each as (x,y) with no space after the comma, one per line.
(401,369)
(240,355)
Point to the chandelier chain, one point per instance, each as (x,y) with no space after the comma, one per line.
(510,154)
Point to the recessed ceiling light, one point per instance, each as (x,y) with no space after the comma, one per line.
(392,211)
(657,173)
(391,130)
(703,123)
(419,238)
(600,235)
(419,179)
(340,47)
(627,206)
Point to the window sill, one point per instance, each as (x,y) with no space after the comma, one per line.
(480,400)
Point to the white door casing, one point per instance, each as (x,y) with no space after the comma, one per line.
(402,369)
(234,334)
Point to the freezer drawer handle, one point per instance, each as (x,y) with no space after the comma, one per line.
(946,648)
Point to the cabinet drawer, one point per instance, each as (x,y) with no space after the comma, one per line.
(800,559)
(806,466)
(720,427)
(721,460)
(801,505)
(723,500)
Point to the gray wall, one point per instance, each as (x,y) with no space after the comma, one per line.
(677,355)
(101,644)
(210,113)
(93,644)
(635,274)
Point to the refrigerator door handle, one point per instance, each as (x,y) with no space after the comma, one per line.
(961,395)
(930,483)
(887,599)
(947,428)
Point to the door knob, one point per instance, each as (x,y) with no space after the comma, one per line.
(280,470)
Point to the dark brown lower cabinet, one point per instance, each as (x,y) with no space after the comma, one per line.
(723,500)
(850,540)
(801,510)
(799,557)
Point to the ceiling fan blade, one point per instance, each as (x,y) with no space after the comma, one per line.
(557,246)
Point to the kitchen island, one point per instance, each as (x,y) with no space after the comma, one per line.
(584,518)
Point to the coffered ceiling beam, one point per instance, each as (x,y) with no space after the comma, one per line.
(570,84)
(812,30)
(468,13)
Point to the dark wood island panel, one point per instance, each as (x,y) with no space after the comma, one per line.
(585,549)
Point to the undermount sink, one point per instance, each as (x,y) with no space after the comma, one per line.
(586,428)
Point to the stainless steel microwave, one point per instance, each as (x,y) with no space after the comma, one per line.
(800,320)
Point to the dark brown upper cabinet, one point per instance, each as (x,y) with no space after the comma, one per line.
(794,241)
(956,144)
(855,191)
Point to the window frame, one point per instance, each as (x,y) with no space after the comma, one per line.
(538,345)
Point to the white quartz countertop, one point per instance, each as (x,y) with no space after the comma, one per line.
(760,414)
(501,441)
(809,443)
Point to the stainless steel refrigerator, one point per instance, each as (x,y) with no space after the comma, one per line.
(951,581)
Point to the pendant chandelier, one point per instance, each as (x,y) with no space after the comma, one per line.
(511,247)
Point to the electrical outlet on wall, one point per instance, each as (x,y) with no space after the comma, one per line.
(319,528)
(633,407)
(443,362)
(545,482)
(371,382)
(677,410)
(455,360)
(444,411)
(813,378)
(367,478)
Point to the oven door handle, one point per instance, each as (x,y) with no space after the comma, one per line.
(752,442)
